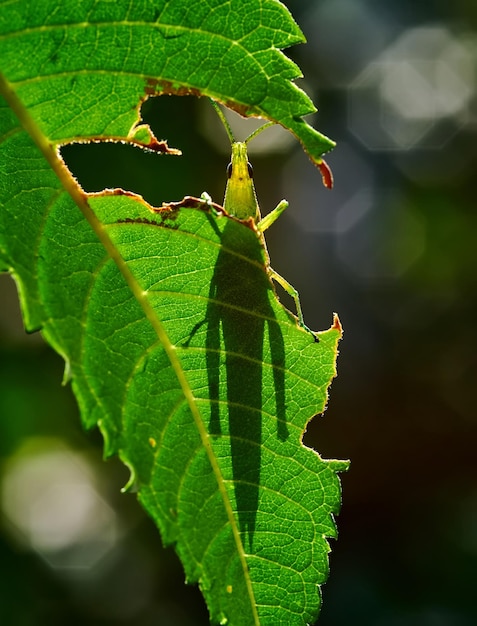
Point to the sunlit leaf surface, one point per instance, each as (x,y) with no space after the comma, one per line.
(174,339)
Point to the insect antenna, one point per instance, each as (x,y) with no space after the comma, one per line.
(228,128)
(224,121)
(258,130)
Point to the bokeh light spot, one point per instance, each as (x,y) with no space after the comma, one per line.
(424,78)
(52,505)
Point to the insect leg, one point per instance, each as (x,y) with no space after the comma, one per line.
(272,217)
(291,291)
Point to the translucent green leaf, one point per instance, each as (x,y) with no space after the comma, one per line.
(174,339)
(98,58)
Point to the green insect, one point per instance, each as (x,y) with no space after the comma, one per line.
(241,200)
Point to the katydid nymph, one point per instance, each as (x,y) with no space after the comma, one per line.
(241,202)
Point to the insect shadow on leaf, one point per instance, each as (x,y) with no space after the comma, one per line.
(239,320)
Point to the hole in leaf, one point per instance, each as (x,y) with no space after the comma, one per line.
(155,176)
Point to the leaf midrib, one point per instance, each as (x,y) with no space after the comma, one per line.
(79,197)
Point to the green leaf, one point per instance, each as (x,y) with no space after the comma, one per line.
(175,342)
(98,58)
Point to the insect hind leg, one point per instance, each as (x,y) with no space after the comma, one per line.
(291,291)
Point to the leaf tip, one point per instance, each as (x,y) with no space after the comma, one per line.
(337,324)
(326,173)
(67,374)
(132,475)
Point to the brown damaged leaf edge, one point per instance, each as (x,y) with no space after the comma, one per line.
(326,173)
(157,87)
(168,210)
(191,202)
(153,145)
(337,324)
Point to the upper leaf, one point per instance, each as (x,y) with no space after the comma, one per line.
(98,58)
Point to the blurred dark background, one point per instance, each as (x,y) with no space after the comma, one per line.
(392,249)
